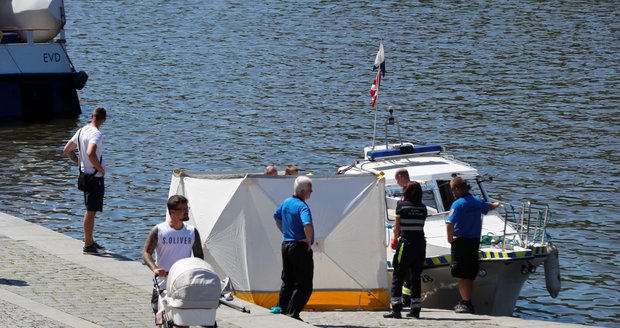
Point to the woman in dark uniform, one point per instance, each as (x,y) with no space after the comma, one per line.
(410,250)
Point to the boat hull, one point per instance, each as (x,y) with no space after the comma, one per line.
(38,96)
(496,288)
(37,79)
(495,291)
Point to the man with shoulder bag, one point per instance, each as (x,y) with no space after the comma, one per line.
(88,141)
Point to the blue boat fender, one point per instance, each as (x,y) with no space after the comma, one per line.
(552,270)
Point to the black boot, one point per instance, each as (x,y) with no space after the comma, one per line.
(414,310)
(414,313)
(395,312)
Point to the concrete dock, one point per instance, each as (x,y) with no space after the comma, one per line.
(46,281)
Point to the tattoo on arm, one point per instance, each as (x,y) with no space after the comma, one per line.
(149,248)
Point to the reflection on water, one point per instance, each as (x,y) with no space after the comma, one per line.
(527,92)
(34,178)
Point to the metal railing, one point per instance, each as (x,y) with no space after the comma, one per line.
(530,222)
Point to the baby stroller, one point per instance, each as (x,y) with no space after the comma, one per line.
(192,295)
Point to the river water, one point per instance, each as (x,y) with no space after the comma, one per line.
(526,91)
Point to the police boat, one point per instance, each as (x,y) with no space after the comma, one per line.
(514,240)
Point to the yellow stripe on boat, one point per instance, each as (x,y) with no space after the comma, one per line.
(377,299)
(491,255)
(438,260)
(484,255)
(539,250)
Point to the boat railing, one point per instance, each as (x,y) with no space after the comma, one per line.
(524,225)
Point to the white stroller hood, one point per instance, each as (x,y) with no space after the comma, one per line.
(192,284)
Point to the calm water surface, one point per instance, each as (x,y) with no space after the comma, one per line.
(526,91)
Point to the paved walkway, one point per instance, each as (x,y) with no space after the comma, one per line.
(46,281)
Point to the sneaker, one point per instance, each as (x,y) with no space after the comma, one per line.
(275,310)
(90,250)
(93,249)
(463,307)
(99,247)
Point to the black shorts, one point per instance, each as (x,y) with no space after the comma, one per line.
(94,198)
(465,262)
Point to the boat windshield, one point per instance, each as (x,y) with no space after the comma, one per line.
(394,191)
(447,198)
(428,197)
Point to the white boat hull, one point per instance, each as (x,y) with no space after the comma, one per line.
(495,293)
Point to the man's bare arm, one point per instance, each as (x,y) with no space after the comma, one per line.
(92,155)
(69,151)
(279,224)
(450,232)
(147,253)
(308,230)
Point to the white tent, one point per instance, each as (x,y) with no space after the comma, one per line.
(234,215)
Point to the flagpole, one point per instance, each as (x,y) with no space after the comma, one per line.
(374,129)
(374,90)
(377,85)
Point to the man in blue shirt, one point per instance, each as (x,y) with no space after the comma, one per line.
(464,224)
(294,220)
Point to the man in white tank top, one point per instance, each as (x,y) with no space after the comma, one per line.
(171,241)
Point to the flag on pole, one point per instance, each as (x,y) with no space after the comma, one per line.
(380,64)
(380,60)
(374,89)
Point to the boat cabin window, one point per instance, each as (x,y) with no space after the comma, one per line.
(446,194)
(428,198)
(394,191)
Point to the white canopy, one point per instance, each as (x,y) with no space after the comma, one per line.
(234,215)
